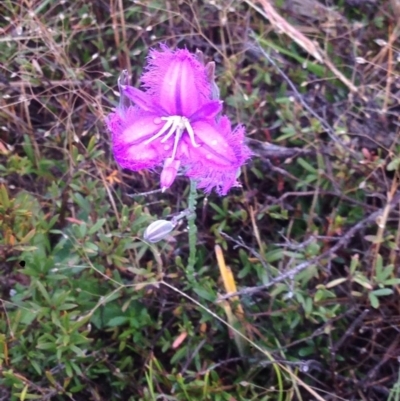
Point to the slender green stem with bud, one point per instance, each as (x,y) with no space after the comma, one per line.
(192,227)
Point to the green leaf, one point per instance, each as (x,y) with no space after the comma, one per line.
(82,202)
(382,292)
(393,165)
(181,353)
(308,306)
(220,211)
(319,295)
(307,166)
(363,281)
(67,306)
(392,281)
(46,346)
(68,369)
(336,282)
(77,350)
(4,199)
(23,393)
(379,266)
(374,239)
(203,293)
(355,259)
(374,300)
(28,316)
(96,227)
(82,230)
(91,248)
(36,366)
(27,146)
(273,256)
(313,67)
(117,321)
(384,273)
(43,291)
(92,143)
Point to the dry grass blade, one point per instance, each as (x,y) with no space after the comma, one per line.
(281,25)
(235,318)
(228,279)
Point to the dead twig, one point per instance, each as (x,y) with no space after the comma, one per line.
(281,25)
(271,151)
(328,254)
(350,331)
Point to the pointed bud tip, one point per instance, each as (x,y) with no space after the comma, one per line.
(169,172)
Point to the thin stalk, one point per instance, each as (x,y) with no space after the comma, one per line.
(192,227)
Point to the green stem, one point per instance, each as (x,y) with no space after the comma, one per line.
(192,227)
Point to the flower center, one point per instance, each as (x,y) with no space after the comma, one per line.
(174,125)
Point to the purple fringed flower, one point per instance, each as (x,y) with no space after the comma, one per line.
(175,123)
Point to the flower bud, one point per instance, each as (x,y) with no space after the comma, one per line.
(124,101)
(157,231)
(169,173)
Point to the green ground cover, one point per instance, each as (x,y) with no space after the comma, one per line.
(90,311)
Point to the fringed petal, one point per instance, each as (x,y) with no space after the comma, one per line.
(141,99)
(214,150)
(215,164)
(129,135)
(207,111)
(178,80)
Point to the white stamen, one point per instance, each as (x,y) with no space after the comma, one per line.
(163,129)
(190,131)
(175,125)
(173,129)
(177,138)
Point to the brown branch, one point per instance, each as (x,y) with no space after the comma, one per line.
(281,25)
(270,151)
(329,253)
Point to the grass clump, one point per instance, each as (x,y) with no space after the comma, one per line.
(295,293)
